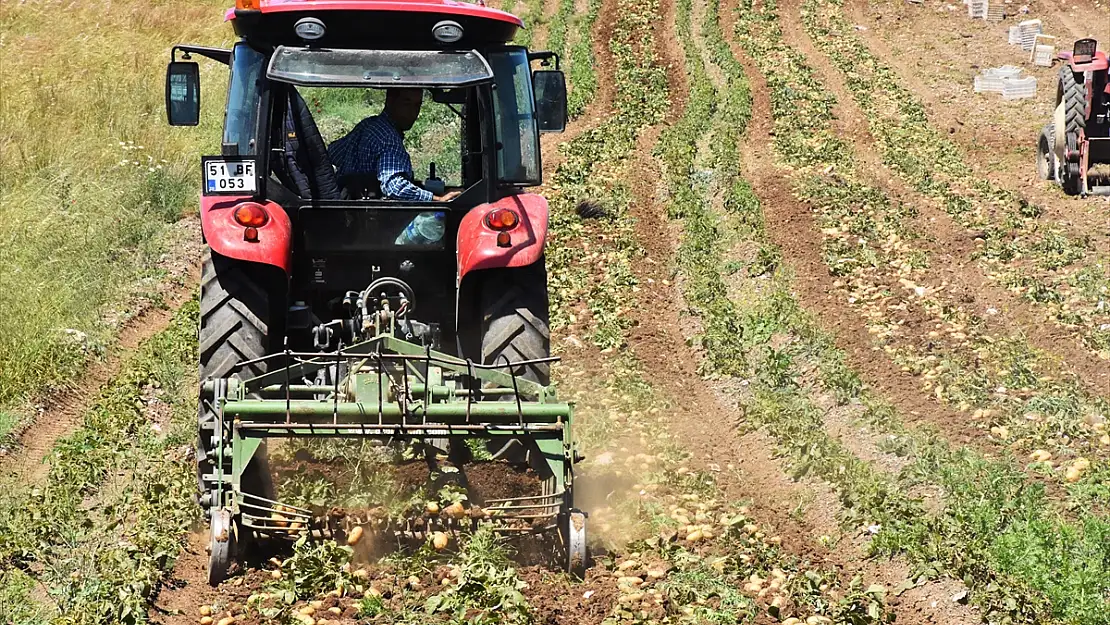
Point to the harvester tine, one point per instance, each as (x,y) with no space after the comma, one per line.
(473,387)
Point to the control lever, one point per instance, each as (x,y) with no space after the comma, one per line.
(432,184)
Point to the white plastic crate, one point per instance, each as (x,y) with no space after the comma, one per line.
(992,80)
(1015,35)
(1019,88)
(977,9)
(995,13)
(1029,31)
(1043,55)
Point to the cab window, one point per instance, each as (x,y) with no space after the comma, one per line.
(518,155)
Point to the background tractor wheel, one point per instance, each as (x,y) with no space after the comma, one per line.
(235,326)
(1046,157)
(1072,92)
(513,305)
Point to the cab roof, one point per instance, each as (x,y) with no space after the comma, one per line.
(374,23)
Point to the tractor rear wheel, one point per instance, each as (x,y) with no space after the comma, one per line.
(1046,157)
(1072,92)
(235,326)
(514,321)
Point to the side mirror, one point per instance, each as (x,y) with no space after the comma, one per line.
(550,90)
(183,93)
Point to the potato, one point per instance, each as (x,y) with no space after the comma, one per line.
(307,610)
(205,620)
(355,535)
(455,511)
(227,620)
(432,508)
(439,540)
(205,610)
(1040,455)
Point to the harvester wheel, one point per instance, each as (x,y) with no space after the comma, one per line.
(1046,157)
(235,326)
(514,318)
(220,544)
(573,534)
(1072,93)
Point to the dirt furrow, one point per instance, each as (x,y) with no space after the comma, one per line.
(707,417)
(998,137)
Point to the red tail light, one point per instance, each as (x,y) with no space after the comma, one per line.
(502,219)
(251,215)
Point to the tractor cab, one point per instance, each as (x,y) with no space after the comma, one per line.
(303,75)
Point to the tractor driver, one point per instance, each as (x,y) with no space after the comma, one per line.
(377,146)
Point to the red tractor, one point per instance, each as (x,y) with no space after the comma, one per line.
(328,309)
(1078,138)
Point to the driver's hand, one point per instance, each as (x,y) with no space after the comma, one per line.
(447,197)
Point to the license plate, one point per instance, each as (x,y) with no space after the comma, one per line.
(229,175)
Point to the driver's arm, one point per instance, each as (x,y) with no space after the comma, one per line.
(394,167)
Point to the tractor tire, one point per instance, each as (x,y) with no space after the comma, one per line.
(515,319)
(235,326)
(1046,157)
(1073,94)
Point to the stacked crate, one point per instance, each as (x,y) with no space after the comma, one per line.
(977,9)
(1019,88)
(992,80)
(1027,33)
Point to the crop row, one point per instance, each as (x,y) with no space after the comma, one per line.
(590,263)
(1007,388)
(106,525)
(972,535)
(1041,260)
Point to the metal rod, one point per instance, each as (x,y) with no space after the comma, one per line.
(410,430)
(528,498)
(359,409)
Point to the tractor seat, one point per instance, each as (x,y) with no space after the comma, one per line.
(360,187)
(304,165)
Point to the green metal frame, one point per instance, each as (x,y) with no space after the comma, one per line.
(417,398)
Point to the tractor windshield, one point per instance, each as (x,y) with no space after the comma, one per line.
(378,68)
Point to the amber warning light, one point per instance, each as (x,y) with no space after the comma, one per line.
(251,215)
(247,5)
(502,219)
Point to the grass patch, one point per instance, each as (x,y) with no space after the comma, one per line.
(90,174)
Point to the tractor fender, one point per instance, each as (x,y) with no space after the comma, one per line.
(228,238)
(477,242)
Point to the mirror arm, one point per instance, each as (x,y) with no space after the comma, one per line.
(544,57)
(220,55)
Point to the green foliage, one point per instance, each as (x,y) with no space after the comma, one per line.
(315,568)
(488,587)
(102,563)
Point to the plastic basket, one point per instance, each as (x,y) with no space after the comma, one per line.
(1019,88)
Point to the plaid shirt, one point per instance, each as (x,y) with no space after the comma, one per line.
(375,146)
